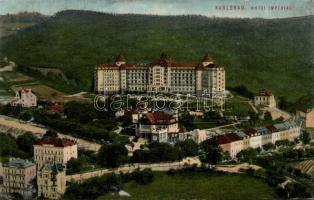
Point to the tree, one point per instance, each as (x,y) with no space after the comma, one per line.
(269,146)
(143,177)
(160,152)
(248,154)
(51,133)
(112,155)
(25,142)
(74,165)
(212,151)
(8,146)
(294,190)
(243,91)
(140,156)
(267,116)
(274,178)
(187,120)
(305,137)
(187,148)
(282,143)
(157,152)
(283,103)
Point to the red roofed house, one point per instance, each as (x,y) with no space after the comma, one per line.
(159,126)
(265,98)
(231,143)
(25,97)
(60,150)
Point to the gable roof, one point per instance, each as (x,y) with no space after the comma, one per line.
(159,118)
(250,131)
(56,142)
(227,138)
(264,92)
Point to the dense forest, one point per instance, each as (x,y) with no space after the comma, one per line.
(275,54)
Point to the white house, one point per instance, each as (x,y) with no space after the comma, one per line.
(159,126)
(25,97)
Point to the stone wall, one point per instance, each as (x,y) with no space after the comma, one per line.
(132,167)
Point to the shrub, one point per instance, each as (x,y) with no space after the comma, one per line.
(143,177)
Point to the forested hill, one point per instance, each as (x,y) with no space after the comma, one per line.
(276,54)
(23,17)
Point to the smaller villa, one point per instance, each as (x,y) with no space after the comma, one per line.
(265,98)
(25,97)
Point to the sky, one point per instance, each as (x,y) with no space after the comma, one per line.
(208,8)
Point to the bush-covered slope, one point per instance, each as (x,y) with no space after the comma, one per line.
(275,54)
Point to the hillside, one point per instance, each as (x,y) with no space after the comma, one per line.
(274,54)
(12,23)
(23,17)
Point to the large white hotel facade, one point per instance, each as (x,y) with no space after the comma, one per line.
(162,76)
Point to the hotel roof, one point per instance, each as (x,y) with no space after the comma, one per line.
(56,142)
(164,61)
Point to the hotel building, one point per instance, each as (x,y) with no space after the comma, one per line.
(162,76)
(18,177)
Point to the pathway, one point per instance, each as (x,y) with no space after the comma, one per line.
(17,127)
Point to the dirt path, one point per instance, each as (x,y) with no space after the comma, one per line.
(236,168)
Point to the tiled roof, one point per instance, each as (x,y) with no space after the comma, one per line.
(56,142)
(272,129)
(159,117)
(164,61)
(250,131)
(227,138)
(233,137)
(221,139)
(264,92)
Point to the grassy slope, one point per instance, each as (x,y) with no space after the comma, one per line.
(275,54)
(227,187)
